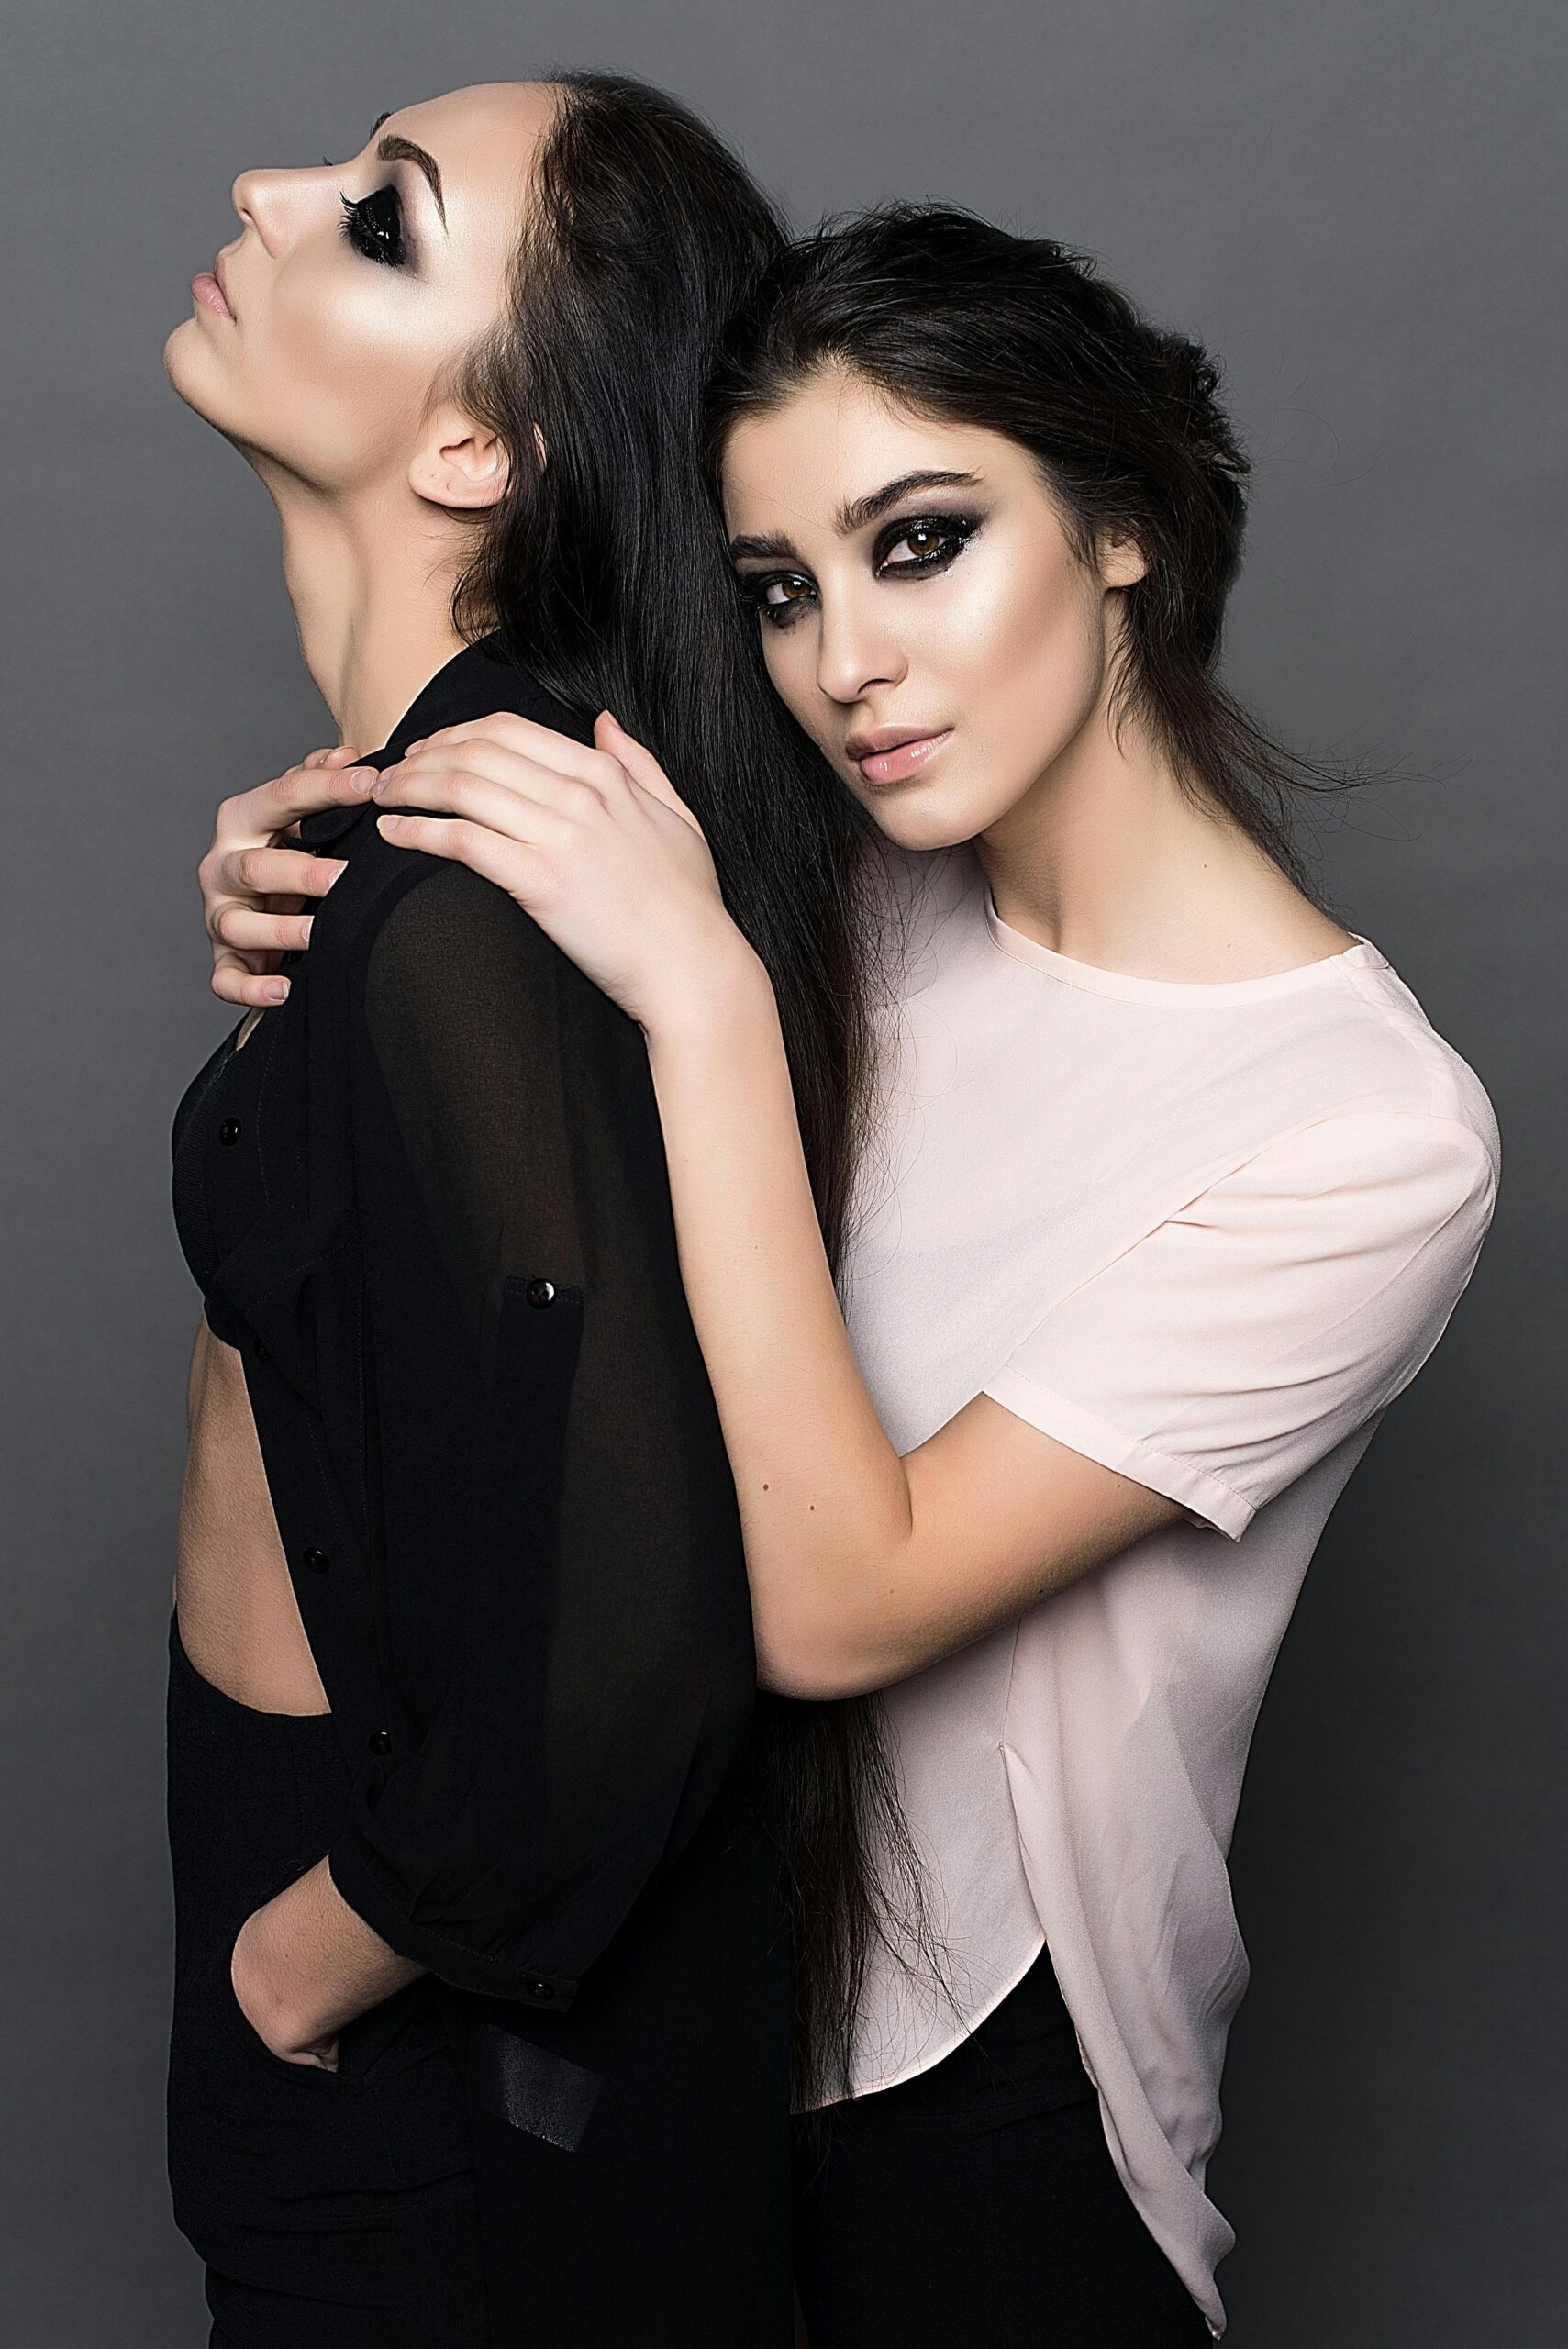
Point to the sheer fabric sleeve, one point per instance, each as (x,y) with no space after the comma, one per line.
(1233,1346)
(525,1305)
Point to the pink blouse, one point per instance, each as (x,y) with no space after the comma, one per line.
(1203,1235)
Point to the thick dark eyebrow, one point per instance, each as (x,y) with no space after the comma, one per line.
(394,149)
(768,549)
(856,514)
(859,511)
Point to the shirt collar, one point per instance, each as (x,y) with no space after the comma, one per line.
(476,681)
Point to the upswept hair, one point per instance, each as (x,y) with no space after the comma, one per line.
(960,321)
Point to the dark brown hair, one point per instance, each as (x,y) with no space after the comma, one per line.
(960,321)
(605,568)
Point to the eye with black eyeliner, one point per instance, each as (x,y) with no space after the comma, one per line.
(373,226)
(934,540)
(779,597)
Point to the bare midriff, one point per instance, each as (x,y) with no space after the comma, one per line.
(238,1618)
(239,1621)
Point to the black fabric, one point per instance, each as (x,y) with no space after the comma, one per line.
(334,2210)
(428,1202)
(976,2206)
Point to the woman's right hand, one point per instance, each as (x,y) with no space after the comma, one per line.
(256,888)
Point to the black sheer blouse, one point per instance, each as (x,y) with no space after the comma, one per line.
(428,1201)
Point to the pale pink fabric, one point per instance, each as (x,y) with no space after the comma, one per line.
(1203,1235)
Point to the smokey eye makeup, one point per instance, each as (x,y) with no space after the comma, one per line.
(913,546)
(777,596)
(932,541)
(373,226)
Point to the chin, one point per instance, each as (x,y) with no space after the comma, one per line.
(922,824)
(183,355)
(187,361)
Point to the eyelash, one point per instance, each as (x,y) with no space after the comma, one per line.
(373,226)
(951,532)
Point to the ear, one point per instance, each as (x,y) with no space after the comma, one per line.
(1122,562)
(459,463)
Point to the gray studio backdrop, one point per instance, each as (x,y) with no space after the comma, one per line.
(1355,204)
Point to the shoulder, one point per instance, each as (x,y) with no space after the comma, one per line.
(1391,1061)
(392,906)
(396,905)
(1360,1181)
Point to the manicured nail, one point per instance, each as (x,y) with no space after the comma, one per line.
(361,779)
(305,929)
(388,824)
(276,990)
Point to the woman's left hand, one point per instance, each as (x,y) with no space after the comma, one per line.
(594,844)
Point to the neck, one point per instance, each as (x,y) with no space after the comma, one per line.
(1107,860)
(371,586)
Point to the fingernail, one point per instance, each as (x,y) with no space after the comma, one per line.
(276,990)
(305,929)
(388,824)
(359,778)
(417,746)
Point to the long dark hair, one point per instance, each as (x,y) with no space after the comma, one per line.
(605,568)
(961,321)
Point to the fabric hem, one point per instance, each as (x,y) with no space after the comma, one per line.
(357,1884)
(1080,1430)
(929,2062)
(1094,978)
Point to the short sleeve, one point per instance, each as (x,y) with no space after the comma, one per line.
(1233,1346)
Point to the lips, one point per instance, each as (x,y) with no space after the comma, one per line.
(892,753)
(209,290)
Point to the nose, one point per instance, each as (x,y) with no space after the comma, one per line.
(276,204)
(854,651)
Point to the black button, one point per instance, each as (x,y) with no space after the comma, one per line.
(262,1353)
(536,1987)
(540,1294)
(317,1561)
(381,1741)
(230,1130)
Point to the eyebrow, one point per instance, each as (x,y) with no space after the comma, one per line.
(859,511)
(856,512)
(395,148)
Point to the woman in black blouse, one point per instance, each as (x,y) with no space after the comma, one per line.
(481,2020)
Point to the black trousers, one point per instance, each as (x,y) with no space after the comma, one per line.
(977,2207)
(441,2191)
(333,2209)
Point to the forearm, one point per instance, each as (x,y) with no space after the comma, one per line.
(306,1964)
(825,1500)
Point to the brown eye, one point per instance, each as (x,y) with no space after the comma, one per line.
(927,545)
(778,595)
(920,543)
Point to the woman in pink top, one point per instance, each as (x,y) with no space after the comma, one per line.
(1167,1188)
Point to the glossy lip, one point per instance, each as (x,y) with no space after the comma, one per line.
(210,291)
(891,754)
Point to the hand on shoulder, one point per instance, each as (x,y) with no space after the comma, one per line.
(256,887)
(593,842)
